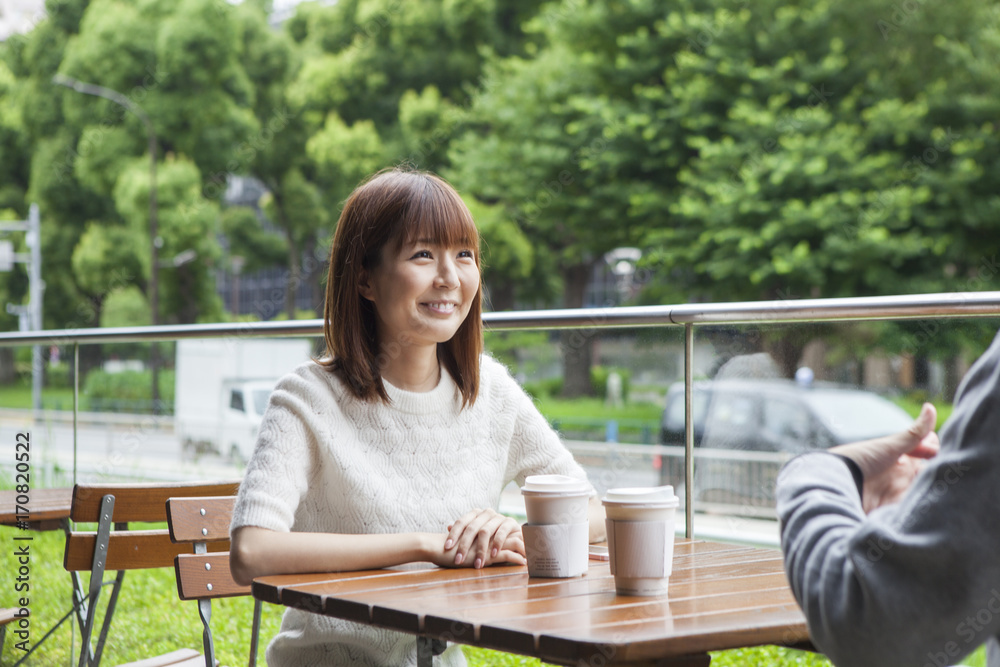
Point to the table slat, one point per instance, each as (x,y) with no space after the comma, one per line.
(44,505)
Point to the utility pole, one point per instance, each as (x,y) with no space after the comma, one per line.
(30,316)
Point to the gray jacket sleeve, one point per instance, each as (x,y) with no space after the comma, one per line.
(915,583)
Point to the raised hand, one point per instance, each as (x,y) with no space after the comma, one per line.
(889,464)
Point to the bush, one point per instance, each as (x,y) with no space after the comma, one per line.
(552,387)
(131,390)
(544,388)
(599,380)
(58,377)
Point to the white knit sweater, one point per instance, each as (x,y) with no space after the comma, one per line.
(328,462)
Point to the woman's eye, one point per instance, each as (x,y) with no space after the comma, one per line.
(466,253)
(421,254)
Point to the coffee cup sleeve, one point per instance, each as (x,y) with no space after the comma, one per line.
(641,549)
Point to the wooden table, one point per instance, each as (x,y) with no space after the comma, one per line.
(721,596)
(48,509)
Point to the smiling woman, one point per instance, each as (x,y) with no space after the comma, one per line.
(394,448)
(396,234)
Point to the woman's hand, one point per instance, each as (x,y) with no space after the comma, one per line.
(483,537)
(889,464)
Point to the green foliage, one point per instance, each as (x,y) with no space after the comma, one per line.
(767,152)
(126,307)
(248,239)
(599,380)
(125,388)
(102,155)
(508,347)
(344,155)
(546,388)
(508,256)
(57,377)
(108,257)
(187,222)
(552,387)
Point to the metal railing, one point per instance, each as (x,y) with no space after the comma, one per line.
(899,307)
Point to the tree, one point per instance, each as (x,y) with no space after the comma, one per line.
(189,227)
(537,148)
(821,165)
(180,62)
(106,259)
(383,82)
(277,155)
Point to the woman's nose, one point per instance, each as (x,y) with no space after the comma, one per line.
(447,274)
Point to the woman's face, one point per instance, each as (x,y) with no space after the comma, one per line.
(422,293)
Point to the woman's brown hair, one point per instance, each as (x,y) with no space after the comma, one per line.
(391,208)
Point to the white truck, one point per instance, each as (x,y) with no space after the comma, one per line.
(222,387)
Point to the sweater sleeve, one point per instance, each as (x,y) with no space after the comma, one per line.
(913,583)
(277,475)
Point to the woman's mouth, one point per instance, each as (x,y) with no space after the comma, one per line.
(441,307)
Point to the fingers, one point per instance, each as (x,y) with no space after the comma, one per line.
(924,424)
(506,556)
(928,443)
(480,536)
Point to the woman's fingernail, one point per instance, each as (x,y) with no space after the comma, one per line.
(459,557)
(494,553)
(479,563)
(448,544)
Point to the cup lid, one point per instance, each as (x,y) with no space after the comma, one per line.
(555,484)
(659,496)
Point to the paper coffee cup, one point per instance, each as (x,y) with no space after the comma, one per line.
(640,523)
(555,499)
(556,535)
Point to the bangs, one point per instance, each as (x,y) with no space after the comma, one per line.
(438,215)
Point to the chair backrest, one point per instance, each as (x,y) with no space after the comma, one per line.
(203,576)
(203,521)
(145,503)
(124,548)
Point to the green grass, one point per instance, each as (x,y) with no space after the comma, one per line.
(587,419)
(595,408)
(912,405)
(19,396)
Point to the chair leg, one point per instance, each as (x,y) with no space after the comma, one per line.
(108,614)
(205,611)
(427,648)
(255,634)
(96,578)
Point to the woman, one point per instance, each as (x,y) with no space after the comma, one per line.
(395,447)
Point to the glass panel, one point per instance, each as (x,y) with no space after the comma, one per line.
(767,392)
(190,433)
(614,431)
(750,412)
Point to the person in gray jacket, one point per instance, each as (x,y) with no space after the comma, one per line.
(892,545)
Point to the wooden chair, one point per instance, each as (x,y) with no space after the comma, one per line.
(201,575)
(6,617)
(115,506)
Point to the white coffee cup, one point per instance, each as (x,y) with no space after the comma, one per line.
(640,523)
(555,537)
(555,499)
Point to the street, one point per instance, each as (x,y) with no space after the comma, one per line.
(109,447)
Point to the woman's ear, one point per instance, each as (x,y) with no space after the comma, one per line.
(365,287)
